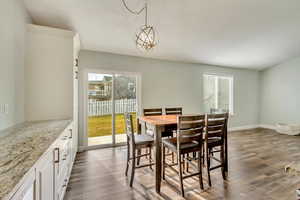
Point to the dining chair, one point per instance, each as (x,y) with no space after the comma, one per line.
(189,139)
(173,111)
(153,112)
(215,129)
(171,129)
(135,143)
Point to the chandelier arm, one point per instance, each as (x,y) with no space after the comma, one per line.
(134,12)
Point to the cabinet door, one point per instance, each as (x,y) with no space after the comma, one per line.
(26,190)
(45,178)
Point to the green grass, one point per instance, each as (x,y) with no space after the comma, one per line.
(101,125)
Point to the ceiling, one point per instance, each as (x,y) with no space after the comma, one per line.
(251,34)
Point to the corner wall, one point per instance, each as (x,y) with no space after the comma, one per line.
(280,94)
(13,22)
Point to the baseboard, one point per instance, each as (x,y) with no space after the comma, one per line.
(268,126)
(240,128)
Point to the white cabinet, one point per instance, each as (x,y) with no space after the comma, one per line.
(27,188)
(48,178)
(51,74)
(64,162)
(45,177)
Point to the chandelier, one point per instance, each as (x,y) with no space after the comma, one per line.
(146,37)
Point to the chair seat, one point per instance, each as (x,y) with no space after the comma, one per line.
(215,141)
(171,143)
(143,139)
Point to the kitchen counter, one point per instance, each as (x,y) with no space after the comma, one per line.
(22,146)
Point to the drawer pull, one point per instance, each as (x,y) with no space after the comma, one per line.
(71,133)
(58,155)
(64,138)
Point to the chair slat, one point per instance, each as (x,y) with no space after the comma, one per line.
(218,116)
(152,111)
(192,117)
(216,122)
(190,126)
(173,111)
(214,128)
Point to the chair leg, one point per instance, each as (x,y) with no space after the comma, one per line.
(139,152)
(183,162)
(203,153)
(208,165)
(223,162)
(200,170)
(128,157)
(133,168)
(180,174)
(164,162)
(150,157)
(187,163)
(173,157)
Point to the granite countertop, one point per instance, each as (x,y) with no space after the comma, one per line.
(22,146)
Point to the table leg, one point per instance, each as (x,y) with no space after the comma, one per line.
(158,157)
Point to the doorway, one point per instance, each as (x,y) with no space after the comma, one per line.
(109,96)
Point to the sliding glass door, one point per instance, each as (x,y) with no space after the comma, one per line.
(110,95)
(125,101)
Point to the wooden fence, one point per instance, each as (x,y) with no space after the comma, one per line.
(99,108)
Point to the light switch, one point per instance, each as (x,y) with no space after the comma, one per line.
(6,108)
(1,108)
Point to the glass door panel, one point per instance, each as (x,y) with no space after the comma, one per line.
(100,112)
(125,89)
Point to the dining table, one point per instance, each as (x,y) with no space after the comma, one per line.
(157,124)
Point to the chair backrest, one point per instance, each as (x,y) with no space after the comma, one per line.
(173,111)
(190,128)
(152,111)
(216,125)
(129,128)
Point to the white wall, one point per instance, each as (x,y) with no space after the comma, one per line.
(166,83)
(49,74)
(280,93)
(13,20)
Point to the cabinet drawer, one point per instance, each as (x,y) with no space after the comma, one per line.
(62,184)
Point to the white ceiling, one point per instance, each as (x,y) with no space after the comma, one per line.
(237,33)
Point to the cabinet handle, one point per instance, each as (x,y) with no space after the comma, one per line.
(71,133)
(58,155)
(65,157)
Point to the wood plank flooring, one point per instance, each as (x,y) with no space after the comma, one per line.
(256,171)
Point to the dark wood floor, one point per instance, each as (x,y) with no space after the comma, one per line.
(256,171)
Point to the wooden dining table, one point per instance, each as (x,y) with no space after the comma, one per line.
(158,124)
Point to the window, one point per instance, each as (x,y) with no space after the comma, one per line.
(218,93)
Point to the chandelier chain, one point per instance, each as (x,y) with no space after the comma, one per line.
(132,11)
